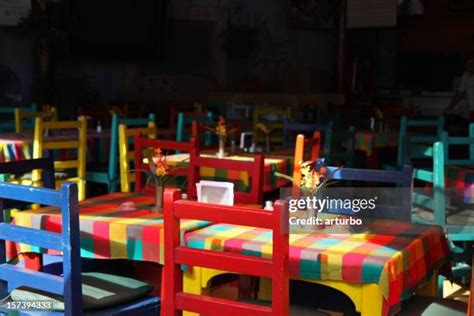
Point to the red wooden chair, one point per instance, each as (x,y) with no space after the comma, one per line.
(254,169)
(314,144)
(176,254)
(143,143)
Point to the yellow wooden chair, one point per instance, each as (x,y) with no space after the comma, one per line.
(21,116)
(126,155)
(71,142)
(274,118)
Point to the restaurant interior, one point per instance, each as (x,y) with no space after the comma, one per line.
(237,157)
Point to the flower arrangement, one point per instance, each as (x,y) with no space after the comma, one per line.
(161,173)
(313,178)
(266,131)
(263,128)
(379,114)
(220,130)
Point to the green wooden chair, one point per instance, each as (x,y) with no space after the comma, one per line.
(107,173)
(185,119)
(7,117)
(413,132)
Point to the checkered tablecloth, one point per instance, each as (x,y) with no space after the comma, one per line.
(240,179)
(11,151)
(107,232)
(461,178)
(398,256)
(368,141)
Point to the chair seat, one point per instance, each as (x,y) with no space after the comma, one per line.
(100,290)
(428,306)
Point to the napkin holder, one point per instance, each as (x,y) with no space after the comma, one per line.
(215,192)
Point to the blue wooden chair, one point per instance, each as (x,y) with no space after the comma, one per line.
(108,173)
(185,120)
(102,294)
(414,132)
(401,210)
(7,117)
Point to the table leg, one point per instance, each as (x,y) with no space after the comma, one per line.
(192,284)
(430,288)
(372,300)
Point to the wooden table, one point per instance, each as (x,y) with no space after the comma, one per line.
(375,268)
(241,180)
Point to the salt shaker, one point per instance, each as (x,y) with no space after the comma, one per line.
(268,206)
(184,196)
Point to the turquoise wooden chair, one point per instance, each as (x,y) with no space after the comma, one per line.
(70,293)
(108,173)
(431,207)
(185,119)
(7,118)
(412,133)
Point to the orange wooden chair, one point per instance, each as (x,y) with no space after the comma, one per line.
(177,254)
(254,169)
(302,144)
(144,144)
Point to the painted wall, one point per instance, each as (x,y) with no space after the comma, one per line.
(16,54)
(309,65)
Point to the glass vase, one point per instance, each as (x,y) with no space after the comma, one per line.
(221,151)
(158,206)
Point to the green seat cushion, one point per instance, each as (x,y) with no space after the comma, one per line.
(99,290)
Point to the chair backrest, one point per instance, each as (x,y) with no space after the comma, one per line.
(416,131)
(290,129)
(25,119)
(7,116)
(459,141)
(314,144)
(184,122)
(114,139)
(435,176)
(254,169)
(275,115)
(67,242)
(126,155)
(401,179)
(143,144)
(46,165)
(178,254)
(75,140)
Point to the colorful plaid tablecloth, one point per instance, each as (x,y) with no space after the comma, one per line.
(461,178)
(11,151)
(398,260)
(107,232)
(368,141)
(241,179)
